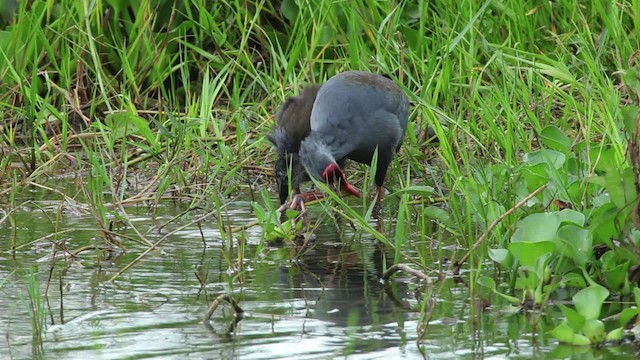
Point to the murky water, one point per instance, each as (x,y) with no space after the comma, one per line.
(327,304)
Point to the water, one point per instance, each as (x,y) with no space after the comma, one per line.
(327,304)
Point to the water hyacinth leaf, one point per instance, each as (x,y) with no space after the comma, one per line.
(603,157)
(528,253)
(616,277)
(574,319)
(615,334)
(565,334)
(629,117)
(502,257)
(631,80)
(574,280)
(535,176)
(289,9)
(620,184)
(554,139)
(572,216)
(436,213)
(487,282)
(603,224)
(575,242)
(588,301)
(594,330)
(537,227)
(490,284)
(629,314)
(552,158)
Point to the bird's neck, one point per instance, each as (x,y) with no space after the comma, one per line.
(315,155)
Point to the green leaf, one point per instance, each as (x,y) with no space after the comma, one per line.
(487,282)
(490,284)
(575,320)
(574,280)
(615,334)
(289,10)
(535,176)
(616,276)
(572,216)
(621,186)
(502,257)
(552,158)
(565,334)
(588,301)
(629,118)
(628,314)
(528,252)
(594,330)
(575,242)
(537,227)
(603,157)
(436,213)
(553,138)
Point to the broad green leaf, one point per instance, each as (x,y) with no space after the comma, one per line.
(621,186)
(588,301)
(631,81)
(535,176)
(528,252)
(289,9)
(575,243)
(502,257)
(572,216)
(575,320)
(537,227)
(629,118)
(603,157)
(554,139)
(615,334)
(565,334)
(490,284)
(552,158)
(594,330)
(487,282)
(603,224)
(628,314)
(574,280)
(436,213)
(616,277)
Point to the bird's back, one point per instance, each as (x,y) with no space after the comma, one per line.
(293,120)
(355,112)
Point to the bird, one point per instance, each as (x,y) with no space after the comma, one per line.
(354,114)
(292,126)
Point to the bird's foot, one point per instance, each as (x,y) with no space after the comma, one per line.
(297,203)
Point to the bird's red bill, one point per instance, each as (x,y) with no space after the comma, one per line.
(330,173)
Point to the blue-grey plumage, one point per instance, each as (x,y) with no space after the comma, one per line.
(354,114)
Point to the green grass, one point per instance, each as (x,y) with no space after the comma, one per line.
(182,93)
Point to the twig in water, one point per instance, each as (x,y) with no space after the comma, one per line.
(214,305)
(404,267)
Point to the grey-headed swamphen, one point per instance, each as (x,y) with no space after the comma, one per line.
(353,114)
